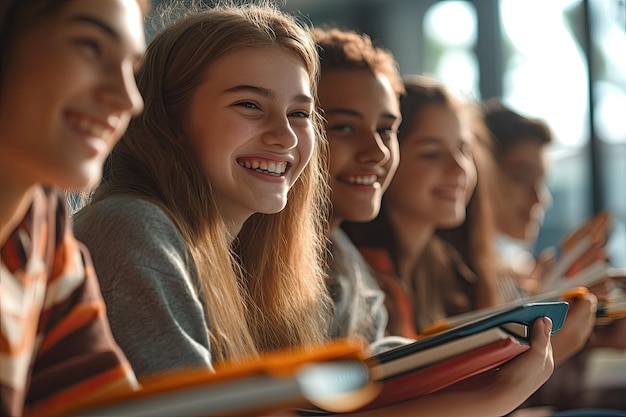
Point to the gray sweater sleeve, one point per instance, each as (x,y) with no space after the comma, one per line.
(146,276)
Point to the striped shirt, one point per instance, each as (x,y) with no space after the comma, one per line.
(56,347)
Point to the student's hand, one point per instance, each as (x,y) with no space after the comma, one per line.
(521,377)
(490,394)
(577,328)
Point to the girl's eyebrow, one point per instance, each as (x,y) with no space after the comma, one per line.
(354,113)
(427,140)
(342,111)
(267,93)
(82,18)
(104,27)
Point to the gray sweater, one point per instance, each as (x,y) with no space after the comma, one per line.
(147,280)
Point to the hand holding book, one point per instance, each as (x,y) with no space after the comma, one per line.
(434,363)
(489,394)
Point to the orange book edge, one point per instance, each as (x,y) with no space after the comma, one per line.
(278,364)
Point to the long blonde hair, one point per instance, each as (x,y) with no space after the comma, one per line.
(268,290)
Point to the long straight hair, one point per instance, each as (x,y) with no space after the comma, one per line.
(268,290)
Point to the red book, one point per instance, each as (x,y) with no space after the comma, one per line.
(443,374)
(444,359)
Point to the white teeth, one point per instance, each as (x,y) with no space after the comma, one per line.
(363,179)
(266,167)
(87,126)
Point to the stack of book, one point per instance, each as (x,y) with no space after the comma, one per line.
(339,376)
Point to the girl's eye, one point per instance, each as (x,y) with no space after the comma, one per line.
(430,155)
(248,105)
(300,114)
(341,128)
(91,46)
(429,152)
